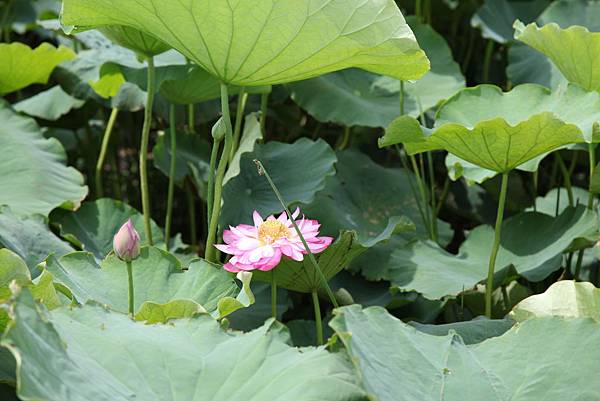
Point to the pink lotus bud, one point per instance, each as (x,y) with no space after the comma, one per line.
(126,242)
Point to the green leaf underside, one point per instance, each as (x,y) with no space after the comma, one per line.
(299,170)
(34,168)
(30,238)
(94,225)
(157,276)
(133,39)
(104,356)
(501,131)
(355,97)
(398,363)
(532,243)
(21,66)
(279,45)
(571,25)
(564,298)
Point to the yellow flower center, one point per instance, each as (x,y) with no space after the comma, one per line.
(271,230)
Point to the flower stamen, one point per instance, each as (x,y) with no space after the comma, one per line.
(272,230)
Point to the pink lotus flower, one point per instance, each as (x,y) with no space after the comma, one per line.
(262,245)
(126,242)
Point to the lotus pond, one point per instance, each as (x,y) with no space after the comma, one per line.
(299,200)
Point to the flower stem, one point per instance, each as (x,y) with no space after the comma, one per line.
(210,254)
(318,321)
(211,178)
(311,256)
(239,117)
(144,150)
(172,170)
(592,155)
(497,235)
(273,295)
(103,149)
(130,279)
(566,177)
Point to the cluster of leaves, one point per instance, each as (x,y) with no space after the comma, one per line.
(364,120)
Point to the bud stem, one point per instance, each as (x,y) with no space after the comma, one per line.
(210,253)
(130,279)
(311,257)
(144,150)
(318,321)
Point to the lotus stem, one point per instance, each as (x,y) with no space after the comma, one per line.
(239,117)
(211,177)
(345,138)
(423,201)
(210,254)
(130,293)
(191,118)
(172,170)
(318,321)
(273,295)
(311,256)
(592,160)
(144,150)
(566,177)
(496,246)
(103,149)
(434,226)
(402,96)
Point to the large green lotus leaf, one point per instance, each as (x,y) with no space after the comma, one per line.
(33,167)
(495,18)
(499,130)
(298,169)
(398,363)
(30,238)
(526,65)
(158,281)
(286,40)
(133,39)
(303,277)
(49,105)
(564,298)
(94,225)
(105,356)
(21,66)
(571,25)
(365,197)
(355,97)
(532,243)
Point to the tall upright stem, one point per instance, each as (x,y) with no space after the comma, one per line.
(239,117)
(402,95)
(567,178)
(144,150)
(592,155)
(130,292)
(210,254)
(211,178)
(102,156)
(311,256)
(318,321)
(273,295)
(172,170)
(496,246)
(191,118)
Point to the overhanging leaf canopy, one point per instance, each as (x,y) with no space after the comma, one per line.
(90,353)
(262,42)
(499,130)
